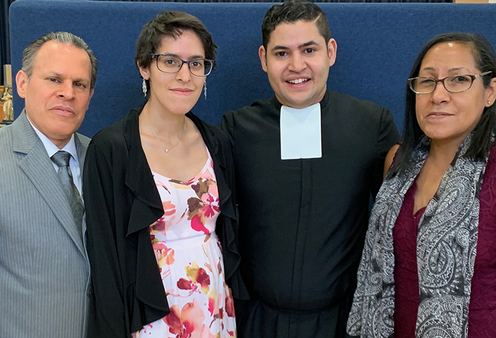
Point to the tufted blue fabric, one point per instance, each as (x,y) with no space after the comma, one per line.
(377,43)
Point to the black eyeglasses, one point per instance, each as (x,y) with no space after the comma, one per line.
(453,84)
(167,63)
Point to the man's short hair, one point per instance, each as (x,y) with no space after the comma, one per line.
(29,54)
(290,12)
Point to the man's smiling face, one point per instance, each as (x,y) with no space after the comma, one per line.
(297,62)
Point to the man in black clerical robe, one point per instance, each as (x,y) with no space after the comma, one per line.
(307,162)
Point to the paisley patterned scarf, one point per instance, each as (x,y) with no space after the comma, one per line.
(446,248)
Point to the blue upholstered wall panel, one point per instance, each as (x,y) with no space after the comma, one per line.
(377,44)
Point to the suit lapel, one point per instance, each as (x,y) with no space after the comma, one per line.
(37,166)
(81,146)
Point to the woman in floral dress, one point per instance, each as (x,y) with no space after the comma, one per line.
(160,212)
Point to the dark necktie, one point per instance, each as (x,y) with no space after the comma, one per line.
(61,159)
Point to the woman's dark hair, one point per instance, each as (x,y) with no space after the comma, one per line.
(170,23)
(485,60)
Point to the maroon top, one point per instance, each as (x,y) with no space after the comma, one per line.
(482,308)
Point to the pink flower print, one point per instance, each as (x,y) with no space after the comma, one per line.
(213,304)
(169,214)
(178,183)
(185,284)
(163,254)
(197,224)
(198,279)
(219,268)
(188,323)
(173,320)
(167,220)
(158,226)
(169,209)
(210,205)
(213,190)
(201,187)
(203,279)
(229,303)
(162,185)
(208,267)
(207,174)
(205,206)
(198,276)
(193,317)
(137,333)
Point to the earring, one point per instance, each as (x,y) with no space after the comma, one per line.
(205,89)
(143,86)
(489,102)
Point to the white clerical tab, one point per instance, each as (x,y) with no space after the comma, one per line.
(301,133)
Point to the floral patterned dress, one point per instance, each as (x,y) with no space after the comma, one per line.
(189,257)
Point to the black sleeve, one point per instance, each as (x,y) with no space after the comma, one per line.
(227,125)
(107,309)
(387,137)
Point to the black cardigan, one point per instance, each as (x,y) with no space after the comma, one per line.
(121,202)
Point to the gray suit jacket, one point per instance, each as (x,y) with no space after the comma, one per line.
(44,268)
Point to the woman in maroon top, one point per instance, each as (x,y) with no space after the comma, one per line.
(428,267)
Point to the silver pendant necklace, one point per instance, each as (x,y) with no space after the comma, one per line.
(166,150)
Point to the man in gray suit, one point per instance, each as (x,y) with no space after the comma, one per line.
(44,269)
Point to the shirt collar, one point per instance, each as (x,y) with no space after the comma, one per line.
(51,148)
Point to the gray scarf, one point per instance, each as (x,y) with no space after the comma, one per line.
(446,247)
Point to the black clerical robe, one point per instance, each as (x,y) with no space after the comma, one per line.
(303,222)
